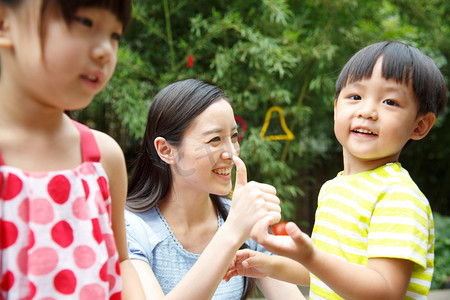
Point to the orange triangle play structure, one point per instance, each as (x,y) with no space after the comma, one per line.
(288,134)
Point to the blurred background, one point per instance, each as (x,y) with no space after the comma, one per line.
(284,53)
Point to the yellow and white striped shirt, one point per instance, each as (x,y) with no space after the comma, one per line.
(378,213)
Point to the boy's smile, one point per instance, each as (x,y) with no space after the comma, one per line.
(374,119)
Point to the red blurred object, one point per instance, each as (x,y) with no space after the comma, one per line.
(243,127)
(190,61)
(279,228)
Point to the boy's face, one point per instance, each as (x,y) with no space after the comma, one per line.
(66,65)
(374,118)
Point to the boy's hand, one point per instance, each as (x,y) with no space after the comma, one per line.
(249,263)
(297,245)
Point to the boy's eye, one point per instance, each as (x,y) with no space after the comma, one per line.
(355,97)
(390,102)
(85,21)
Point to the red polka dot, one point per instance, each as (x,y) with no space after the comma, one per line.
(116,296)
(112,282)
(9,234)
(96,231)
(84,257)
(80,209)
(22,260)
(100,203)
(42,261)
(62,234)
(103,184)
(86,188)
(87,169)
(1,183)
(23,211)
(103,273)
(41,211)
(59,189)
(13,186)
(92,292)
(32,290)
(31,239)
(110,244)
(65,282)
(7,281)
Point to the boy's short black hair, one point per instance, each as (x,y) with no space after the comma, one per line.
(403,63)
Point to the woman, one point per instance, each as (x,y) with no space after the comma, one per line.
(182,231)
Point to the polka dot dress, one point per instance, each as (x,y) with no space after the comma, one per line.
(56,240)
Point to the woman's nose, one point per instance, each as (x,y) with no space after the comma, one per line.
(229,150)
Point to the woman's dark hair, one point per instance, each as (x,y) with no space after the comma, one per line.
(171,112)
(402,63)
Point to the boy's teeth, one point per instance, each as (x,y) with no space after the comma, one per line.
(364,131)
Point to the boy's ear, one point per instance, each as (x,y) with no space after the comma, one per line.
(5,40)
(165,150)
(423,125)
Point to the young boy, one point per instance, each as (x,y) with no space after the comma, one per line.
(373,236)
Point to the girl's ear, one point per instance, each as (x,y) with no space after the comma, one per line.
(165,150)
(5,40)
(423,125)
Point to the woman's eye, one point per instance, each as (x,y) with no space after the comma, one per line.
(235,136)
(390,102)
(214,140)
(355,97)
(85,21)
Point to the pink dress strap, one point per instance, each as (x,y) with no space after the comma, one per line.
(89,148)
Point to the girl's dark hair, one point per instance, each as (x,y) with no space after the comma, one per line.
(402,63)
(171,112)
(120,8)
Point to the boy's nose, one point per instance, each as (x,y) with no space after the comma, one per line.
(368,111)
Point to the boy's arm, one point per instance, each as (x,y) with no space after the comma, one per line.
(383,278)
(259,265)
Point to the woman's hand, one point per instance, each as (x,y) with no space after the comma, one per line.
(251,202)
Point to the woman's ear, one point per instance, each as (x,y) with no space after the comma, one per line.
(164,150)
(5,40)
(423,125)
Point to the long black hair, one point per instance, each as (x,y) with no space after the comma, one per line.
(171,112)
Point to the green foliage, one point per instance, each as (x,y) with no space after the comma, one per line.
(441,277)
(286,53)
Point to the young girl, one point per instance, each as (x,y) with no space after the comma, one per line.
(62,185)
(182,234)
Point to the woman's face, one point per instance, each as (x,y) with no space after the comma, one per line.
(203,161)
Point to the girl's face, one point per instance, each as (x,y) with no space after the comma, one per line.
(374,118)
(66,65)
(203,161)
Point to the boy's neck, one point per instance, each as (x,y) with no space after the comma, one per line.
(353,165)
